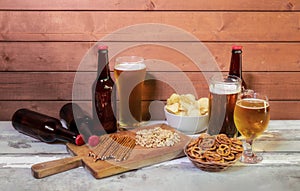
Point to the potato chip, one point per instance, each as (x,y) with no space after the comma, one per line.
(174,98)
(187,105)
(174,108)
(203,105)
(193,113)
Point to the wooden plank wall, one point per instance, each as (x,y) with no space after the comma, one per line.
(43,42)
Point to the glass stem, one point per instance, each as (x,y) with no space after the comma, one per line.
(248,147)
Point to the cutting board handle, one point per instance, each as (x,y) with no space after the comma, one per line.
(44,169)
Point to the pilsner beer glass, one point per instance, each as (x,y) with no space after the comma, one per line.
(223,93)
(251,117)
(130,72)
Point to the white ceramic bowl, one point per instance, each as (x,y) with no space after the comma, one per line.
(187,124)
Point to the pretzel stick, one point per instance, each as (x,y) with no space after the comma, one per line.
(119,144)
(127,154)
(99,147)
(113,147)
(125,148)
(104,149)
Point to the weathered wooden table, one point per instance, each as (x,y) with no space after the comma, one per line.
(280,169)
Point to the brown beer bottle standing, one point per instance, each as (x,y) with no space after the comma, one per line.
(104,96)
(236,64)
(236,67)
(43,127)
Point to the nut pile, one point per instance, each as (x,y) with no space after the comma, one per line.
(218,148)
(156,137)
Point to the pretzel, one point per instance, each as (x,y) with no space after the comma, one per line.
(236,149)
(223,139)
(236,141)
(194,142)
(230,157)
(207,143)
(223,150)
(212,156)
(196,153)
(216,149)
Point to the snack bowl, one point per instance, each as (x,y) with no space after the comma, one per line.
(187,124)
(204,152)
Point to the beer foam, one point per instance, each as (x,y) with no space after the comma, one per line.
(225,89)
(253,100)
(127,66)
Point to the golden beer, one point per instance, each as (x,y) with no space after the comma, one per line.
(129,80)
(251,116)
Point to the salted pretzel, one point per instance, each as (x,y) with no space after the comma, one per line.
(223,139)
(230,157)
(196,152)
(212,156)
(223,150)
(236,148)
(216,149)
(207,143)
(236,141)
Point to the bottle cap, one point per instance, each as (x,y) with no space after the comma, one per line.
(93,140)
(79,140)
(237,47)
(102,47)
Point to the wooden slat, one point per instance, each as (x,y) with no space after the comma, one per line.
(149,5)
(50,108)
(206,26)
(279,109)
(67,56)
(58,85)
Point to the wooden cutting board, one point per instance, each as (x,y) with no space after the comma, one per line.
(139,157)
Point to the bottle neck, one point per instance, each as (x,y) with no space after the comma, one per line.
(236,63)
(66,135)
(103,65)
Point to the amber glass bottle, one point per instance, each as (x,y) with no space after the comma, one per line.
(104,97)
(236,64)
(43,127)
(77,120)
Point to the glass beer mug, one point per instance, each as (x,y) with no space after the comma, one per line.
(130,72)
(223,93)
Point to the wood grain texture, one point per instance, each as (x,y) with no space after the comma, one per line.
(206,26)
(279,109)
(279,169)
(59,85)
(43,44)
(67,56)
(153,5)
(139,157)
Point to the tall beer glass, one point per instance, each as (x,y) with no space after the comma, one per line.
(130,72)
(251,116)
(223,93)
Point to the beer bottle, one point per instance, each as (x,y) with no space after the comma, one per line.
(43,127)
(236,64)
(76,119)
(103,96)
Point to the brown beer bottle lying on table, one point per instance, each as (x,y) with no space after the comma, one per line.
(104,96)
(77,120)
(43,127)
